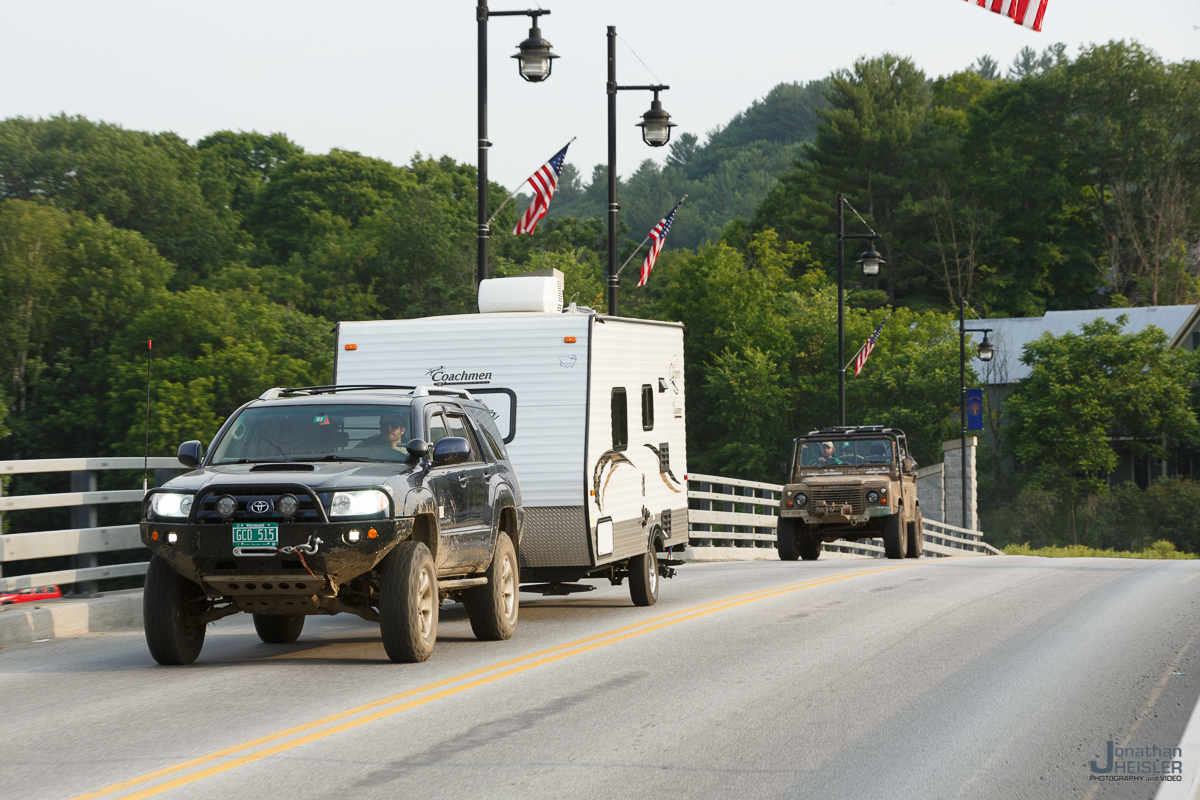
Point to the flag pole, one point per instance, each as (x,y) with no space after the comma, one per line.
(643,244)
(521,185)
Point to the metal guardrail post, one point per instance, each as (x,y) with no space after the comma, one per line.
(85,517)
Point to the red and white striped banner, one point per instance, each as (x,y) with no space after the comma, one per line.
(1027,13)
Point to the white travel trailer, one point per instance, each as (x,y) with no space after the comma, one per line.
(591,408)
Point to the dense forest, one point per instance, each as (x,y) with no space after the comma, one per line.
(1059,182)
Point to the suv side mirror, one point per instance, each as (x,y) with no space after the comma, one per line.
(417,447)
(451,450)
(190,453)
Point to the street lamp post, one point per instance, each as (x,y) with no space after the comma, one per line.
(534,62)
(656,131)
(985,352)
(870,262)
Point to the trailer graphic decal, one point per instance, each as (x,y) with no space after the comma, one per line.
(664,466)
(441,377)
(612,459)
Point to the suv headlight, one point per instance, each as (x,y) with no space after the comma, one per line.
(365,503)
(171,505)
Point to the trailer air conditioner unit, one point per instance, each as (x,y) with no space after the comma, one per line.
(540,292)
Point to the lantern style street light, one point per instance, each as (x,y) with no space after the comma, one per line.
(870,262)
(534,62)
(656,131)
(985,351)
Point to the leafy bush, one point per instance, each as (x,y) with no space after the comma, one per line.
(1161,549)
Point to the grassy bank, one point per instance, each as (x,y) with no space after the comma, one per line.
(1160,549)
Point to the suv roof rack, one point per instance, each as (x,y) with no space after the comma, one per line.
(844,429)
(415,391)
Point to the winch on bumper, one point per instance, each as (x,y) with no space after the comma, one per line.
(302,573)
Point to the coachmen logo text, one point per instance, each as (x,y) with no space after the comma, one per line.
(441,377)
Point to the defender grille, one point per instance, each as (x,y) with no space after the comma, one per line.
(838,496)
(206,508)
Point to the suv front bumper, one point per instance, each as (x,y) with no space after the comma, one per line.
(205,553)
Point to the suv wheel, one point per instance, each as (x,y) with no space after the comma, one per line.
(916,536)
(643,578)
(277,628)
(810,547)
(408,604)
(895,536)
(492,608)
(785,539)
(174,632)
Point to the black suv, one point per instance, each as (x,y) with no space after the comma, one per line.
(380,501)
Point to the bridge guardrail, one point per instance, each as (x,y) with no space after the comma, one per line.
(749,510)
(87,540)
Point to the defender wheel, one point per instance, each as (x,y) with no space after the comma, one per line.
(170,601)
(810,548)
(785,539)
(408,604)
(916,536)
(895,536)
(643,578)
(278,629)
(492,608)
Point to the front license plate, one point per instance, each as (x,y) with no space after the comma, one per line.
(250,534)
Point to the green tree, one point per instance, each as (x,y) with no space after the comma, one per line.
(1086,392)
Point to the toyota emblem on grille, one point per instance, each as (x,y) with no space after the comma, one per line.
(260,506)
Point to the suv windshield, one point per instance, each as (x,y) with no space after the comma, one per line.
(851,452)
(316,433)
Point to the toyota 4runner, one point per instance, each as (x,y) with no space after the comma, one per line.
(375,501)
(850,483)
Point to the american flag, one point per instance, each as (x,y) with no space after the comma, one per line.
(865,352)
(659,235)
(1028,13)
(544,182)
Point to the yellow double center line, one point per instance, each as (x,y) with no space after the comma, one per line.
(387,706)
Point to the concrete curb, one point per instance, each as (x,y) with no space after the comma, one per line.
(114,611)
(699,554)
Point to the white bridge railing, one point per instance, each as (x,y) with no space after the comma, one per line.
(732,513)
(85,541)
(724,513)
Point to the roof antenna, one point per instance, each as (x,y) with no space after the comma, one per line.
(146,458)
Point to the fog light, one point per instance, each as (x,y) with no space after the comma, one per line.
(172,538)
(352,536)
(287,505)
(227,506)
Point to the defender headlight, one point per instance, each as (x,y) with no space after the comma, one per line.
(872,497)
(365,503)
(801,498)
(169,505)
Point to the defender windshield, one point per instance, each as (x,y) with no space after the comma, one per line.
(316,433)
(850,452)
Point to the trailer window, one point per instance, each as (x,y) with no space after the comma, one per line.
(647,407)
(620,419)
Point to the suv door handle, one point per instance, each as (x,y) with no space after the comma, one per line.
(463,477)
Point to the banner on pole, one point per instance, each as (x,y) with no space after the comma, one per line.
(974,409)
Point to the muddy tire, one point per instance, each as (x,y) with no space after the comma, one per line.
(170,603)
(493,608)
(810,547)
(643,578)
(785,539)
(408,603)
(278,629)
(916,536)
(895,536)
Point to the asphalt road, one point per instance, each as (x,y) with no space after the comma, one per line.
(980,677)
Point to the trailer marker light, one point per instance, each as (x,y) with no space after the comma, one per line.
(569,339)
(351,347)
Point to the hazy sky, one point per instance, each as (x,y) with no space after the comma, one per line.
(390,79)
